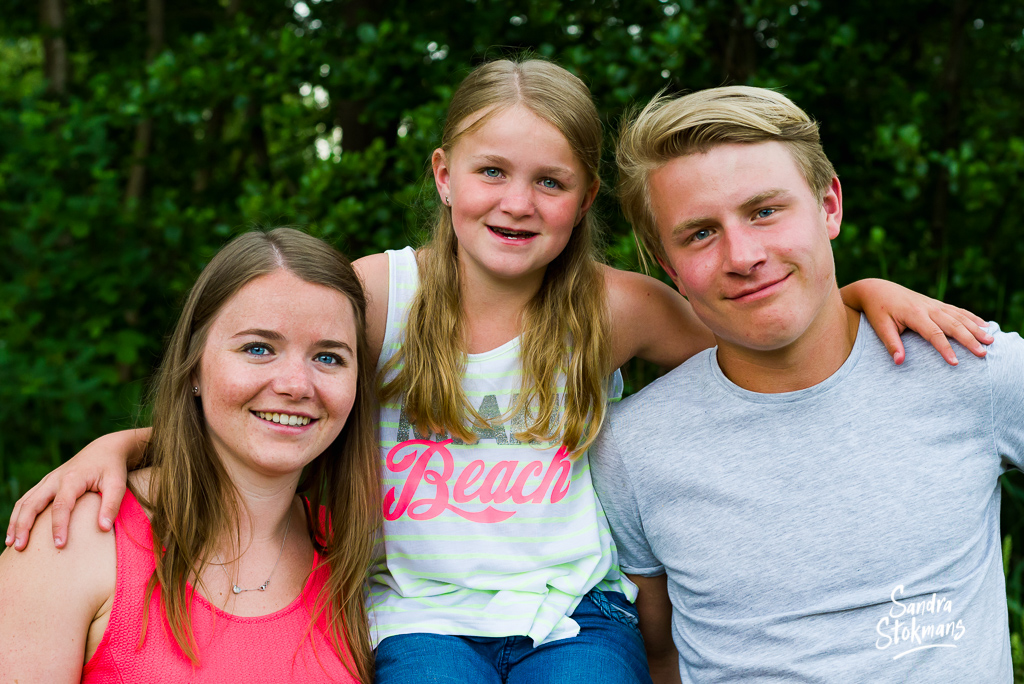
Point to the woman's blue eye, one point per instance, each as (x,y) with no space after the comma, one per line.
(492,172)
(549,183)
(257,349)
(329,359)
(765,213)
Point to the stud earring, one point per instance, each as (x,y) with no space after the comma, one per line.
(195,390)
(447,201)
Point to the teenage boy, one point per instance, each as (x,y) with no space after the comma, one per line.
(793,506)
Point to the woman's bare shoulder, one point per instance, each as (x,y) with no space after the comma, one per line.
(52,596)
(87,543)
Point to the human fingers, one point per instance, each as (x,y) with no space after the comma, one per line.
(111,493)
(27,508)
(970,316)
(960,326)
(937,337)
(889,333)
(9,539)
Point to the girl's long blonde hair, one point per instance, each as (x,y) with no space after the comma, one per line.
(564,327)
(191,498)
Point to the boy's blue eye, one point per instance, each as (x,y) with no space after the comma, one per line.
(549,183)
(765,213)
(492,172)
(702,234)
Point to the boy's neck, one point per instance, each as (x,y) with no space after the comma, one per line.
(807,361)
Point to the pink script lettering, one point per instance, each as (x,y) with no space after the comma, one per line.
(498,485)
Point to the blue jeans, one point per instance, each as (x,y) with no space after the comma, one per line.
(608,650)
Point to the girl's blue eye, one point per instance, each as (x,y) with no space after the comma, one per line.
(257,349)
(549,183)
(325,358)
(492,172)
(765,213)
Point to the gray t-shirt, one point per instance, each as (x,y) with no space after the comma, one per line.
(848,532)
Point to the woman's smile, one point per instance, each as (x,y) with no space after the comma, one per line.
(290,419)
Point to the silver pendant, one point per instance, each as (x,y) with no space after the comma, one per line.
(235,589)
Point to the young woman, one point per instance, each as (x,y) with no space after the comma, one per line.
(497,345)
(216,570)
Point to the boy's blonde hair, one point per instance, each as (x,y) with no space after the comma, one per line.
(564,329)
(668,128)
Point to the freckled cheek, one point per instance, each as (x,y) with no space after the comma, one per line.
(342,399)
(227,403)
(222,413)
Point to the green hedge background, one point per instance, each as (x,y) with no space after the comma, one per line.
(137,136)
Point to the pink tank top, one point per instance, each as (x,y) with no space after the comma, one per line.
(279,647)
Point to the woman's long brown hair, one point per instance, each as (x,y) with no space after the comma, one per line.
(191,498)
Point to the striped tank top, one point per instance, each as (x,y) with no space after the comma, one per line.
(495,538)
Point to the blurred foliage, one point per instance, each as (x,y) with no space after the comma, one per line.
(182,123)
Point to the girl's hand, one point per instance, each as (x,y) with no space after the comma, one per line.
(892,308)
(100,467)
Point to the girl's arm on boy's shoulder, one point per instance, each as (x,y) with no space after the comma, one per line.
(650,320)
(373,272)
(56,602)
(892,308)
(101,467)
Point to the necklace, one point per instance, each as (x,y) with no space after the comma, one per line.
(235,589)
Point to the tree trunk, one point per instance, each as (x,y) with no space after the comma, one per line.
(740,54)
(356,135)
(215,125)
(144,129)
(55,51)
(257,148)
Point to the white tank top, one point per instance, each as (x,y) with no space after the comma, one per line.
(496,538)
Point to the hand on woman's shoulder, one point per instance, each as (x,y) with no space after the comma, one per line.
(86,540)
(650,320)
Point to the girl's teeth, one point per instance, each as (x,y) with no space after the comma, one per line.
(513,234)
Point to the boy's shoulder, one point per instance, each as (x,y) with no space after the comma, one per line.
(678,387)
(1005,353)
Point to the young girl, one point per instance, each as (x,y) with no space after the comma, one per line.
(496,345)
(217,571)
